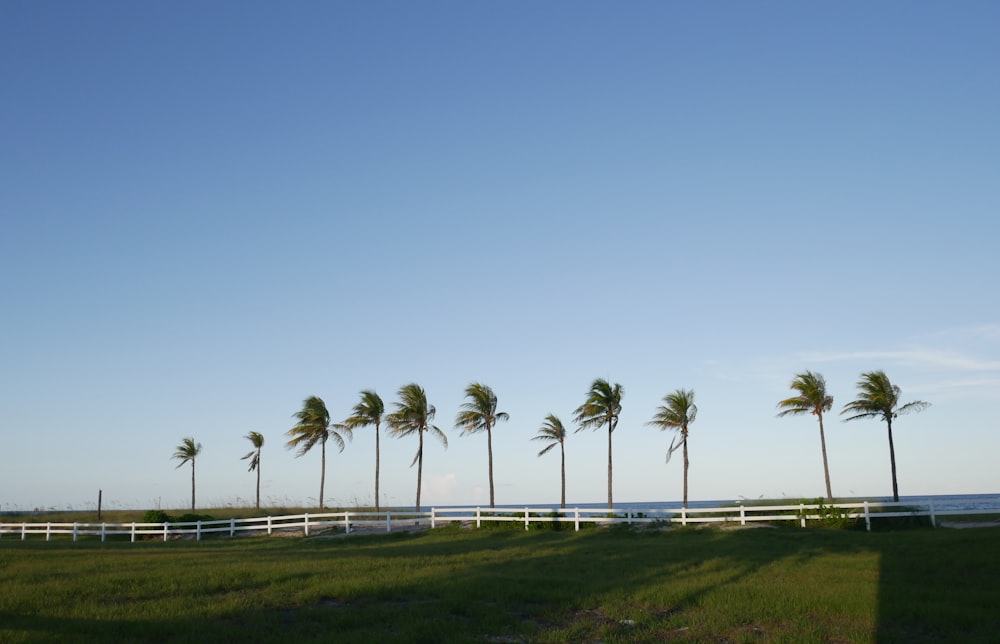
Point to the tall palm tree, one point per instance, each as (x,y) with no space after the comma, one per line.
(811,399)
(603,405)
(677,414)
(879,398)
(369,411)
(479,413)
(257,440)
(554,433)
(186,452)
(413,414)
(314,427)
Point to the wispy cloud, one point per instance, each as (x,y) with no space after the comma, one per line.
(950,360)
(988,388)
(988,332)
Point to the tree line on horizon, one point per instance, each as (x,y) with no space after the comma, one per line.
(877,398)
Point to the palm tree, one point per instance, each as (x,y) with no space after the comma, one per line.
(480,413)
(879,398)
(314,427)
(603,405)
(811,399)
(552,430)
(368,412)
(257,440)
(413,414)
(187,451)
(677,414)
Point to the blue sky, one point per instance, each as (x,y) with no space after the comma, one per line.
(212,212)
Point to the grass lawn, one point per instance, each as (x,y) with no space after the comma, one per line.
(507,585)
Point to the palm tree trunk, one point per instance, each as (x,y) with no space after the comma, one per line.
(892,462)
(420,465)
(322,475)
(562,454)
(685,441)
(826,467)
(489,447)
(376,467)
(192,485)
(258,479)
(609,466)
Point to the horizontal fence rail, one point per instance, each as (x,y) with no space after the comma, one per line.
(308,523)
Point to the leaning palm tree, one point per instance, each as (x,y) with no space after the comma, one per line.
(811,399)
(554,433)
(603,405)
(257,440)
(479,413)
(187,451)
(368,412)
(413,414)
(879,398)
(677,414)
(314,427)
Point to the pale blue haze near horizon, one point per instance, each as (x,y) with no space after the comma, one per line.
(211,211)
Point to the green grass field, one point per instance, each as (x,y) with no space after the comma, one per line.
(459,585)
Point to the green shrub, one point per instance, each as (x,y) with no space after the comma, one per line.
(192,518)
(831,516)
(157,516)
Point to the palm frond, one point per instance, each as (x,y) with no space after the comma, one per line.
(678,412)
(186,451)
(602,406)
(673,448)
(439,434)
(915,406)
(553,431)
(313,426)
(412,414)
(812,397)
(879,398)
(547,448)
(479,411)
(369,411)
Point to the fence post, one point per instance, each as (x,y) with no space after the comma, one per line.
(479,518)
(743,515)
(576,522)
(684,516)
(305,519)
(197,531)
(166,529)
(433,525)
(269,526)
(868,518)
(48,531)
(933,518)
(74,531)
(628,517)
(24,531)
(525,518)
(388,521)
(133,532)
(347,523)
(232,527)
(104,531)
(802,513)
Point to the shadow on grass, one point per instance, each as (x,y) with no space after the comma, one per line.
(460,585)
(939,585)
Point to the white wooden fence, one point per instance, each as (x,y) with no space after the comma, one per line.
(308,524)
